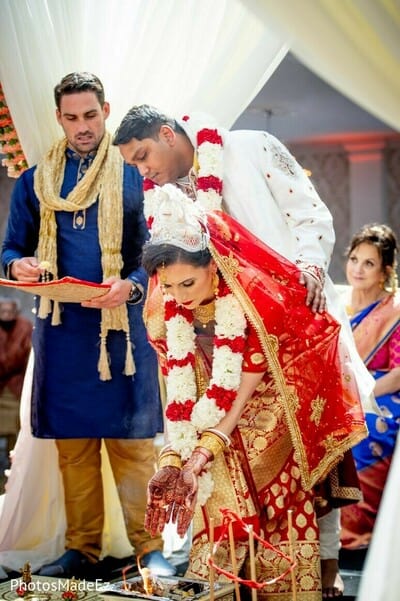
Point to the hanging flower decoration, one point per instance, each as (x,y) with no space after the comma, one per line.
(14,160)
(186,416)
(208,166)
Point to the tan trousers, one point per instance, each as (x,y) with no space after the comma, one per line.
(132,463)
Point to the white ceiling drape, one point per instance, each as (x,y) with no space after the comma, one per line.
(354,45)
(183,55)
(179,55)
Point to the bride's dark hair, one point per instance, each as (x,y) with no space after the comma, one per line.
(162,255)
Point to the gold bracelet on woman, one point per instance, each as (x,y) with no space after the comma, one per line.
(224,437)
(212,442)
(169,458)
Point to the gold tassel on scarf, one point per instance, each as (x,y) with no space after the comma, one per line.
(103,365)
(103,181)
(44,307)
(56,316)
(130,367)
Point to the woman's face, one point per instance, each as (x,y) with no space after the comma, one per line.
(190,286)
(364,268)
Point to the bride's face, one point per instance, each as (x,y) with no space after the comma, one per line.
(190,286)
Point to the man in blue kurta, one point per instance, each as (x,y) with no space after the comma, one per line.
(80,213)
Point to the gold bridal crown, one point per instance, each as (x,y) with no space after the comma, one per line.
(178,220)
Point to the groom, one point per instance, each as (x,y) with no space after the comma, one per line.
(254,177)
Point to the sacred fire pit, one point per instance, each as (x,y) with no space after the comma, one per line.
(167,589)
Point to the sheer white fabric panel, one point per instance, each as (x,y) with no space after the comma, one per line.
(354,45)
(380,579)
(179,55)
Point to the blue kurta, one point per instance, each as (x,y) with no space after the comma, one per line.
(68,398)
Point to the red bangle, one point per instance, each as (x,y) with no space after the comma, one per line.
(202,452)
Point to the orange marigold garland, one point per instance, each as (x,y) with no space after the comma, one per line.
(14,160)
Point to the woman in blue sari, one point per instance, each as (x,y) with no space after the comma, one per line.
(373,305)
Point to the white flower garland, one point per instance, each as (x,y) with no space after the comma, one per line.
(226,372)
(183,434)
(209,163)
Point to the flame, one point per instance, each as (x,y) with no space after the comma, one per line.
(147,579)
(125,585)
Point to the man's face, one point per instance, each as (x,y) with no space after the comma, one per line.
(83,120)
(160,160)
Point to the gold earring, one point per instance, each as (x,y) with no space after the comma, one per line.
(162,275)
(215,282)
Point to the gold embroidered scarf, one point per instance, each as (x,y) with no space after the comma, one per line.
(103,181)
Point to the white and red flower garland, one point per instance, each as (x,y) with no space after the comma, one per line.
(209,175)
(186,416)
(209,172)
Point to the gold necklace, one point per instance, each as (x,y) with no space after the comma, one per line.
(205,313)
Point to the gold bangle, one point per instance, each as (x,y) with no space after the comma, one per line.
(212,443)
(170,453)
(224,437)
(170,460)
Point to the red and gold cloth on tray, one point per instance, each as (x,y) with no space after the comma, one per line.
(65,290)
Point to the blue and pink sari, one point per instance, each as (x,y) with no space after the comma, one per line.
(376,332)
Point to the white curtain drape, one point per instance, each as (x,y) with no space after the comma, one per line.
(381,575)
(354,45)
(183,55)
(179,55)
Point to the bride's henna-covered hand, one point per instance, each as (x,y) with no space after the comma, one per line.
(160,498)
(186,489)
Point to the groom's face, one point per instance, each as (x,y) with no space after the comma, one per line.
(158,159)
